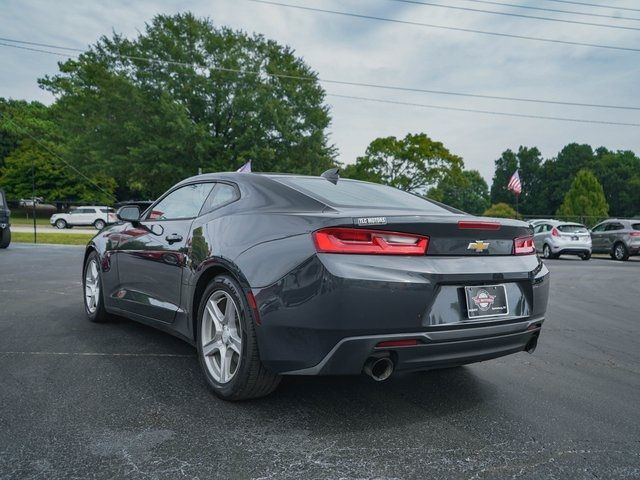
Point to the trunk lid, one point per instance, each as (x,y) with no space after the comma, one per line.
(449,234)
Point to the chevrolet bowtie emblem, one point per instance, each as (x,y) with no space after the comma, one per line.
(479,246)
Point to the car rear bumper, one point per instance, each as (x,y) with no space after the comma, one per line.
(570,247)
(572,251)
(439,349)
(328,315)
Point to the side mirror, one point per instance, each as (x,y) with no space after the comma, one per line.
(129,213)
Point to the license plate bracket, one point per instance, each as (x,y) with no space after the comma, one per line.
(486,301)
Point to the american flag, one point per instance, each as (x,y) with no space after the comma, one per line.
(514,183)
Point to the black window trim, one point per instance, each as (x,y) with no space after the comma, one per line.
(144,215)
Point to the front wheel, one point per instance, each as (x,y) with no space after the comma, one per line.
(227,344)
(99,224)
(61,224)
(620,252)
(5,237)
(92,286)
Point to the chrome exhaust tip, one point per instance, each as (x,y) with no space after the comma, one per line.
(531,345)
(379,368)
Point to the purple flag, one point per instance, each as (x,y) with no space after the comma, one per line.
(246,168)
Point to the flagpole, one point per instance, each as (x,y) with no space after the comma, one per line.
(516,205)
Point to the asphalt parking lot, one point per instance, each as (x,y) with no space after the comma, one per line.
(121,400)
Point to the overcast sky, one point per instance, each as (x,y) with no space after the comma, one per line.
(359,50)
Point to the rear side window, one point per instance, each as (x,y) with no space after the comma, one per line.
(352,193)
(615,226)
(572,228)
(221,195)
(184,202)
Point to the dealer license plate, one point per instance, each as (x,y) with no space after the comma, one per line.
(486,301)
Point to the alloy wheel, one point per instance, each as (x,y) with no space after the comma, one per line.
(92,287)
(546,252)
(619,252)
(221,336)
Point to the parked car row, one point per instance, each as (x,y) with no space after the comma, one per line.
(618,238)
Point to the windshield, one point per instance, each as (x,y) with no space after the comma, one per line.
(352,193)
(572,228)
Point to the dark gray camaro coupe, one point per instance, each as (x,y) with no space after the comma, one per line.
(271,275)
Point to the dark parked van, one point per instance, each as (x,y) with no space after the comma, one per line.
(5,230)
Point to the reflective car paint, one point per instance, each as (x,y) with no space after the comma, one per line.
(307,303)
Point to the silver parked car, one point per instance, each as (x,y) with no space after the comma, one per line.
(554,238)
(618,238)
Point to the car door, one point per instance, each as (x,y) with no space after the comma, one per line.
(76,216)
(597,237)
(151,255)
(538,236)
(611,234)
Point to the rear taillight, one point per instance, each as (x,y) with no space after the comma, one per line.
(635,234)
(523,246)
(370,242)
(555,232)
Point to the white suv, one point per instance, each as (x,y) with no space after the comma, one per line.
(98,216)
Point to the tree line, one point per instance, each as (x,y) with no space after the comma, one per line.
(131,117)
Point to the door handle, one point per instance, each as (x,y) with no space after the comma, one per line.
(173,238)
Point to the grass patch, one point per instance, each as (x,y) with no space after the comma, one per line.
(56,238)
(23,220)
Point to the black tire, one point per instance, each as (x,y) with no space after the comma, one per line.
(620,252)
(251,379)
(5,237)
(99,315)
(546,252)
(585,256)
(61,224)
(99,224)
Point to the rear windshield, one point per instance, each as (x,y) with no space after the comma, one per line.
(635,226)
(351,193)
(572,228)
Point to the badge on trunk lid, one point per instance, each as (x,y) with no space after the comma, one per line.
(479,246)
(361,222)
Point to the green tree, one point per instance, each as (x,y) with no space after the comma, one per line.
(465,190)
(559,172)
(500,210)
(151,123)
(53,179)
(18,118)
(529,162)
(619,174)
(585,198)
(413,163)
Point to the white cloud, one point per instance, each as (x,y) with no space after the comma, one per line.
(386,53)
